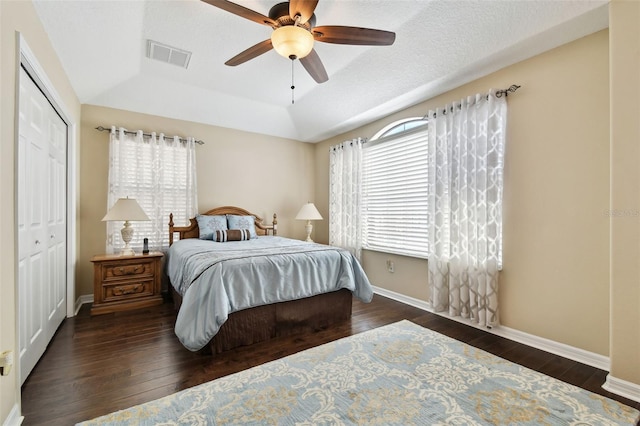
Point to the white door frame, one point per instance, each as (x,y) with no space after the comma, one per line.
(27,59)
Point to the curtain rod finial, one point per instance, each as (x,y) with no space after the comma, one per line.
(506,92)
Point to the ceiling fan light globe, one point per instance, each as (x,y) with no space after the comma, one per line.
(291,41)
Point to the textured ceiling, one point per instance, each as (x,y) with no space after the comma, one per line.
(439,45)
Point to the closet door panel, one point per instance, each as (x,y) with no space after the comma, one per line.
(41,223)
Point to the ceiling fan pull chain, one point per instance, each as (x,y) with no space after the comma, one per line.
(292,85)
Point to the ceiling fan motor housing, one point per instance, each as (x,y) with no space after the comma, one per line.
(280,14)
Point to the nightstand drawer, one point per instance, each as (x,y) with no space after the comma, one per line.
(127,290)
(131,270)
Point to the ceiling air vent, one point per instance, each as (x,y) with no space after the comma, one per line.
(171,55)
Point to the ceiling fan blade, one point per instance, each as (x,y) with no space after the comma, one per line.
(250,53)
(241,11)
(304,8)
(314,67)
(353,35)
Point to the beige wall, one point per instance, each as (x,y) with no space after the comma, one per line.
(555,282)
(262,174)
(18,16)
(624,44)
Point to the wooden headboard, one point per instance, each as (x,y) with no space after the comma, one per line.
(192,231)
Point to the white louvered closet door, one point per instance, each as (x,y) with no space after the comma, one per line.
(42,228)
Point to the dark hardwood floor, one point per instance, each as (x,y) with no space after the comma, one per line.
(96,365)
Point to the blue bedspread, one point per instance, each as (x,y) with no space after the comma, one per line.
(216,279)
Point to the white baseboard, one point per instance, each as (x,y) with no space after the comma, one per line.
(585,357)
(571,352)
(85,298)
(407,300)
(622,387)
(14,418)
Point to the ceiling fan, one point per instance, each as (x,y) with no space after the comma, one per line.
(294,33)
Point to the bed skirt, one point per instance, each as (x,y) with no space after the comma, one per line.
(263,323)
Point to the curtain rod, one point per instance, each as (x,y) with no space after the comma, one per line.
(499,94)
(129,132)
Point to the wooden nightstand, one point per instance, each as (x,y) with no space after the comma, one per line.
(126,282)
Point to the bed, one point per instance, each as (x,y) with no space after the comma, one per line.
(235,293)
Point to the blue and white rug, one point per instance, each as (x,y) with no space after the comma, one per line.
(399,374)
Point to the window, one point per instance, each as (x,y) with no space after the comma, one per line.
(399,127)
(159,173)
(394,190)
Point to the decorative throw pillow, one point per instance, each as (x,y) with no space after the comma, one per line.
(223,236)
(242,222)
(208,225)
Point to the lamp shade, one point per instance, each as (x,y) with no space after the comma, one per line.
(126,209)
(292,42)
(309,212)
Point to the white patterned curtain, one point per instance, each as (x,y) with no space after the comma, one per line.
(345,183)
(466,159)
(160,173)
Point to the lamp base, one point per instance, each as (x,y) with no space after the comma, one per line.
(127,251)
(309,228)
(127,235)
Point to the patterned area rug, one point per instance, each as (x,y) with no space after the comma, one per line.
(400,374)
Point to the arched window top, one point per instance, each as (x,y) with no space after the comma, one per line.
(399,126)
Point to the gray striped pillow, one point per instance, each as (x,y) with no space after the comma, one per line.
(224,235)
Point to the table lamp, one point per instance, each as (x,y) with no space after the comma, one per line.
(126,209)
(309,212)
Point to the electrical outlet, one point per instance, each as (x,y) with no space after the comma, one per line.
(6,362)
(390,266)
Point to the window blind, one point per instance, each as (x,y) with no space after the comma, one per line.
(394,182)
(158,193)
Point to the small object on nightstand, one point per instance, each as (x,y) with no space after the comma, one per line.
(145,248)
